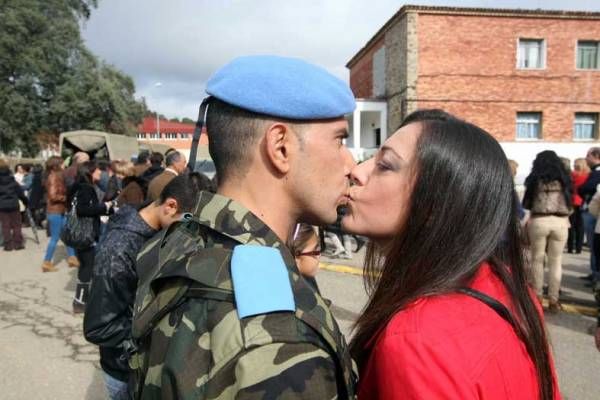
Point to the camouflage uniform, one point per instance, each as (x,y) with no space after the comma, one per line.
(200,349)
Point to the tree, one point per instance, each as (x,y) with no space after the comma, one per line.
(49,81)
(187,120)
(174,119)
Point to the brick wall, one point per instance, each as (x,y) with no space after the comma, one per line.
(467,66)
(361,73)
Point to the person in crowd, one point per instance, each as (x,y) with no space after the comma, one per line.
(19,174)
(134,187)
(203,182)
(514,166)
(10,218)
(548,198)
(156,167)
(70,173)
(105,174)
(107,320)
(587,191)
(176,164)
(37,202)
(27,178)
(115,180)
(450,314)
(578,177)
(142,163)
(280,158)
(83,194)
(304,245)
(26,182)
(56,205)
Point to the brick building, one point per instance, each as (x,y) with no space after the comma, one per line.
(529,77)
(173,134)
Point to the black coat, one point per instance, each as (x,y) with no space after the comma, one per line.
(109,309)
(88,204)
(10,192)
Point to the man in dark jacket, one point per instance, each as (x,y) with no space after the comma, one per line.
(10,218)
(107,320)
(587,191)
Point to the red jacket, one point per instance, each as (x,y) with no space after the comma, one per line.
(451,347)
(578,179)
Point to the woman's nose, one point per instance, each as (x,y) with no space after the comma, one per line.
(360,173)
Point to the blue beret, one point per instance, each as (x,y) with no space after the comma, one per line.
(281,87)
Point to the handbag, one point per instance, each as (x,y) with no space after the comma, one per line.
(78,232)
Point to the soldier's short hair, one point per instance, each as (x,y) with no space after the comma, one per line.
(232,131)
(156,158)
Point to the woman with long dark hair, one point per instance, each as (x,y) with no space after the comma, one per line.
(450,314)
(548,197)
(83,194)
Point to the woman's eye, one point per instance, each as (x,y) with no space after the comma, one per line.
(382,166)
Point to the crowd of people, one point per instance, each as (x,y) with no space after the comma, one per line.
(194,291)
(91,189)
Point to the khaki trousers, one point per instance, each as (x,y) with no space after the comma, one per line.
(548,236)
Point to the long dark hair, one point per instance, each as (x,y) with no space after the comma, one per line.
(85,171)
(463,212)
(548,167)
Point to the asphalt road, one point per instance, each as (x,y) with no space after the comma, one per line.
(44,355)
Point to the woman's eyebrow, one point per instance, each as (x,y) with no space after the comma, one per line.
(385,148)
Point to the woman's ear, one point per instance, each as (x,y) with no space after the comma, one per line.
(278,143)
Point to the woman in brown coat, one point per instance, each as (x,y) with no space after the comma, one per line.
(56,205)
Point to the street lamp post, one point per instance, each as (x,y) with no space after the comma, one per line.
(157,84)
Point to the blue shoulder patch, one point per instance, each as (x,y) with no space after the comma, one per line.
(260,281)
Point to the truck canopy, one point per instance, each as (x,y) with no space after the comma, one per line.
(99,144)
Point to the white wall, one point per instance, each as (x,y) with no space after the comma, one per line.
(524,153)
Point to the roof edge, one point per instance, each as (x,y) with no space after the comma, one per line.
(470,11)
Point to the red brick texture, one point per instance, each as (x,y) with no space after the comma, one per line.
(467,66)
(361,73)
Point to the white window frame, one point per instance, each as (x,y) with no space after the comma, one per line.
(597,55)
(154,136)
(594,124)
(528,120)
(542,53)
(141,135)
(184,135)
(170,136)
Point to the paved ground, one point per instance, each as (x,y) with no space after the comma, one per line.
(44,355)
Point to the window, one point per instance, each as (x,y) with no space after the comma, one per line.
(588,55)
(170,135)
(585,126)
(529,125)
(184,135)
(155,136)
(141,136)
(531,54)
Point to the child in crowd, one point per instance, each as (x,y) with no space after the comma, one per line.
(305,247)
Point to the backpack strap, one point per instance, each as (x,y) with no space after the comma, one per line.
(495,305)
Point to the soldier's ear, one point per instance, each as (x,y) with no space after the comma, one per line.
(277,144)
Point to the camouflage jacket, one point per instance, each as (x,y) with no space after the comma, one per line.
(201,349)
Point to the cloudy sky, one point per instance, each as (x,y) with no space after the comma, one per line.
(171,47)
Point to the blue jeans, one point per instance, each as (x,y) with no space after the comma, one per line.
(117,390)
(56,223)
(589,225)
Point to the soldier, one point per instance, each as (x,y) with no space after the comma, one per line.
(222,311)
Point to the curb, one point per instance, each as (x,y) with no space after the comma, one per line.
(345,269)
(567,307)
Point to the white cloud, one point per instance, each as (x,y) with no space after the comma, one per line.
(180,43)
